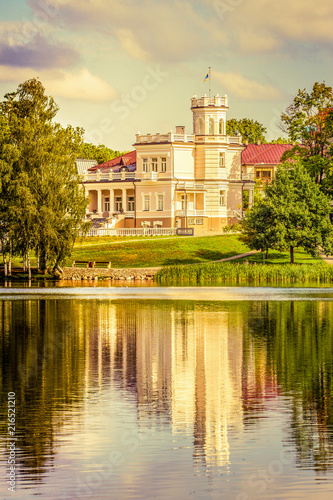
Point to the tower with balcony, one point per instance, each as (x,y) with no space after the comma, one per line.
(217,160)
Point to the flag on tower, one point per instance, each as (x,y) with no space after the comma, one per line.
(207,77)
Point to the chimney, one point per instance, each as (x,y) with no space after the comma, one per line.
(180,129)
(246,142)
(259,142)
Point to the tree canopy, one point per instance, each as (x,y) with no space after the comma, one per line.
(99,153)
(309,120)
(42,201)
(251,130)
(293,213)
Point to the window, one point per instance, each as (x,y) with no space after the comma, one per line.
(160,202)
(163,164)
(118,203)
(145,164)
(221,160)
(221,126)
(223,198)
(182,200)
(146,202)
(130,204)
(199,221)
(154,164)
(200,126)
(107,204)
(191,221)
(264,174)
(211,126)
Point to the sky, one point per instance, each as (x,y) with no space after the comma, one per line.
(126,66)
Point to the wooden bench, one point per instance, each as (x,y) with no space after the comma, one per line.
(82,263)
(102,263)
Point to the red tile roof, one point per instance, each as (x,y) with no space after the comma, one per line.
(114,164)
(264,153)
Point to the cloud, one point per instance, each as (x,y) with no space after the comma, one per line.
(147,29)
(38,53)
(266,25)
(181,29)
(81,85)
(244,88)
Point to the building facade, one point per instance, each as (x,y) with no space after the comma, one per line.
(175,179)
(261,161)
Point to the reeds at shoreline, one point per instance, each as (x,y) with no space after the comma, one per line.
(220,272)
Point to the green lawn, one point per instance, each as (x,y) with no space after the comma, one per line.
(126,252)
(274,257)
(150,252)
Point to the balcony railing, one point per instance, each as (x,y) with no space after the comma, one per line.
(219,138)
(170,137)
(204,101)
(110,176)
(150,176)
(191,186)
(189,213)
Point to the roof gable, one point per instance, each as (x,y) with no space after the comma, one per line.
(126,159)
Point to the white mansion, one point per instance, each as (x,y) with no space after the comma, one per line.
(175,179)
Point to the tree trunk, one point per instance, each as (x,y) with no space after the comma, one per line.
(4,258)
(24,263)
(29,267)
(43,259)
(10,258)
(291,255)
(37,257)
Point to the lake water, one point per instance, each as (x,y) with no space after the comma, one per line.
(154,393)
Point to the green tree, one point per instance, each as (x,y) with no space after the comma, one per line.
(309,121)
(251,131)
(47,200)
(293,213)
(99,153)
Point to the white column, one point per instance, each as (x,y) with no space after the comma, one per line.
(250,198)
(87,194)
(99,201)
(112,209)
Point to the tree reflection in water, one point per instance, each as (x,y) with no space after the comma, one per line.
(206,369)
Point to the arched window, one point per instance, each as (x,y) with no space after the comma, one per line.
(221,126)
(211,126)
(200,126)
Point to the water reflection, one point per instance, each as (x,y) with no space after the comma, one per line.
(206,370)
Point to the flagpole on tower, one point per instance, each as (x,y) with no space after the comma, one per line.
(209,83)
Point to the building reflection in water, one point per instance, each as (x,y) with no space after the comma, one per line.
(203,369)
